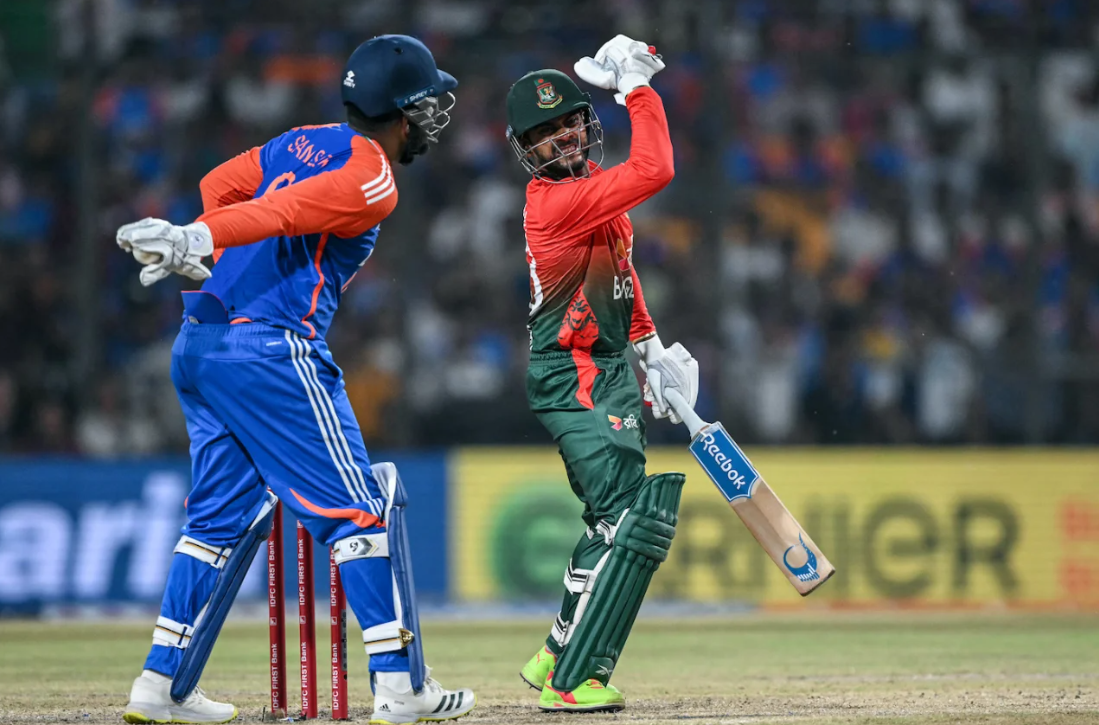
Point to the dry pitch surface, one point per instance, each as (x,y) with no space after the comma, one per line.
(998,669)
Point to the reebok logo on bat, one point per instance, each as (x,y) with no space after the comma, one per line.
(724,463)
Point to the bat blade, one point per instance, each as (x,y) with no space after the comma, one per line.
(771,523)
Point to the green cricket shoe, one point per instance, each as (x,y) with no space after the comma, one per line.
(535,672)
(592,696)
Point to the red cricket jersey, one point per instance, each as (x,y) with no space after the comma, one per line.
(584,292)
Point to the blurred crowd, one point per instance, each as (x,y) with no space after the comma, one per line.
(884,226)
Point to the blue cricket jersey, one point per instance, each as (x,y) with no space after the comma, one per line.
(314,198)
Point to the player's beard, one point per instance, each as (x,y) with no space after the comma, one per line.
(568,164)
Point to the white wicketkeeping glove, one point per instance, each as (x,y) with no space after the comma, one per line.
(671,368)
(623,64)
(165,248)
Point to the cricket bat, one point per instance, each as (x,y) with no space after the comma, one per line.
(777,531)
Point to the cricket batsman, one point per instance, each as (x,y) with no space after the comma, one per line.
(288,225)
(585,306)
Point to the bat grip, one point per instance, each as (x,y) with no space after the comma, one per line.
(690,418)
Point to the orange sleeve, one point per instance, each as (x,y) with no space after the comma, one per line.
(345,202)
(574,209)
(641,324)
(232,182)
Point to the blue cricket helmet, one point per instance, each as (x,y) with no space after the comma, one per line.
(391,72)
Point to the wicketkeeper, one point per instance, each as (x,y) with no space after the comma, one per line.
(585,306)
(289,224)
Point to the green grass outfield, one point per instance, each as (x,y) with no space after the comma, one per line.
(994,668)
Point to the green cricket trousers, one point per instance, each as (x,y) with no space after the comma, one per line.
(591,404)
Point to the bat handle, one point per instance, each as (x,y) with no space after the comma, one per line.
(690,418)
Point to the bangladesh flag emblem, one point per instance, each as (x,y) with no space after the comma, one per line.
(547,95)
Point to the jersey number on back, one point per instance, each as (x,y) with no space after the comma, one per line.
(277,183)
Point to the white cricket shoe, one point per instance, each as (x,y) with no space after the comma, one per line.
(396,704)
(151,702)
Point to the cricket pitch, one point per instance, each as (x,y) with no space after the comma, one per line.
(991,668)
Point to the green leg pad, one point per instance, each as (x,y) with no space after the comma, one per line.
(641,542)
(585,559)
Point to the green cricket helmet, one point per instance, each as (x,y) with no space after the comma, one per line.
(542,96)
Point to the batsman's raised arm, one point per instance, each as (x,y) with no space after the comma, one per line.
(553,130)
(620,188)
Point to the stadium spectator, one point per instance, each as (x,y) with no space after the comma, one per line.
(882,229)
